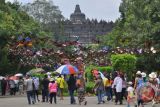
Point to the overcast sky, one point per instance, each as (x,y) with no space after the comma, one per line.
(101,9)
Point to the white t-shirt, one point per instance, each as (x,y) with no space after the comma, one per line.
(118,83)
(130,91)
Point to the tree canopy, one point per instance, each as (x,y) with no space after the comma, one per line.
(138,27)
(13,23)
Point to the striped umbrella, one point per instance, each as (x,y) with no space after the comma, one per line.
(67,69)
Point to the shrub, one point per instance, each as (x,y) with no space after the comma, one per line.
(105,69)
(89,87)
(124,62)
(102,69)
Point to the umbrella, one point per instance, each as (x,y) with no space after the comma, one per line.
(67,69)
(36,70)
(19,75)
(103,77)
(1,77)
(13,78)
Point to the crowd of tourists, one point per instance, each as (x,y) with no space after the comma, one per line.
(106,86)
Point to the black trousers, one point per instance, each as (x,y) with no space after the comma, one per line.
(45,94)
(53,95)
(124,94)
(3,91)
(118,97)
(35,94)
(12,91)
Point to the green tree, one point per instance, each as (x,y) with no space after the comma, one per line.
(14,22)
(46,13)
(138,27)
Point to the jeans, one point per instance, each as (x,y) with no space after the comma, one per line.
(30,97)
(72,99)
(53,95)
(100,95)
(108,93)
(45,94)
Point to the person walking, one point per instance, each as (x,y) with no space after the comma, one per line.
(61,86)
(118,89)
(108,88)
(12,86)
(3,86)
(21,85)
(130,95)
(138,83)
(81,90)
(29,85)
(52,90)
(72,87)
(45,92)
(36,89)
(124,87)
(99,89)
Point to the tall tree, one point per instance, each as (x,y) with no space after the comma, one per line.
(45,12)
(14,22)
(138,27)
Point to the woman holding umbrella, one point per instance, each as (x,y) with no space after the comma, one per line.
(72,87)
(70,70)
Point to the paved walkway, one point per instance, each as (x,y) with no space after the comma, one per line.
(20,101)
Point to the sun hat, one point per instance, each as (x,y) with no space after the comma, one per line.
(153,75)
(130,83)
(138,72)
(143,74)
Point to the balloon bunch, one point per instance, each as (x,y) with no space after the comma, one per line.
(24,42)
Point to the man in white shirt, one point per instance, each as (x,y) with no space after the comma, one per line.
(118,89)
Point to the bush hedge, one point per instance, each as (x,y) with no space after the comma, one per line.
(124,62)
(88,69)
(89,87)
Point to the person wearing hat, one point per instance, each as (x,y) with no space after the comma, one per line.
(52,87)
(138,80)
(153,79)
(130,95)
(138,83)
(144,76)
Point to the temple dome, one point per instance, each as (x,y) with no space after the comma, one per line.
(77,15)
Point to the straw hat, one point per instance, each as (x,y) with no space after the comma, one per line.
(153,75)
(138,72)
(143,74)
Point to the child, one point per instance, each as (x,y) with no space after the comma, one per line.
(130,96)
(52,90)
